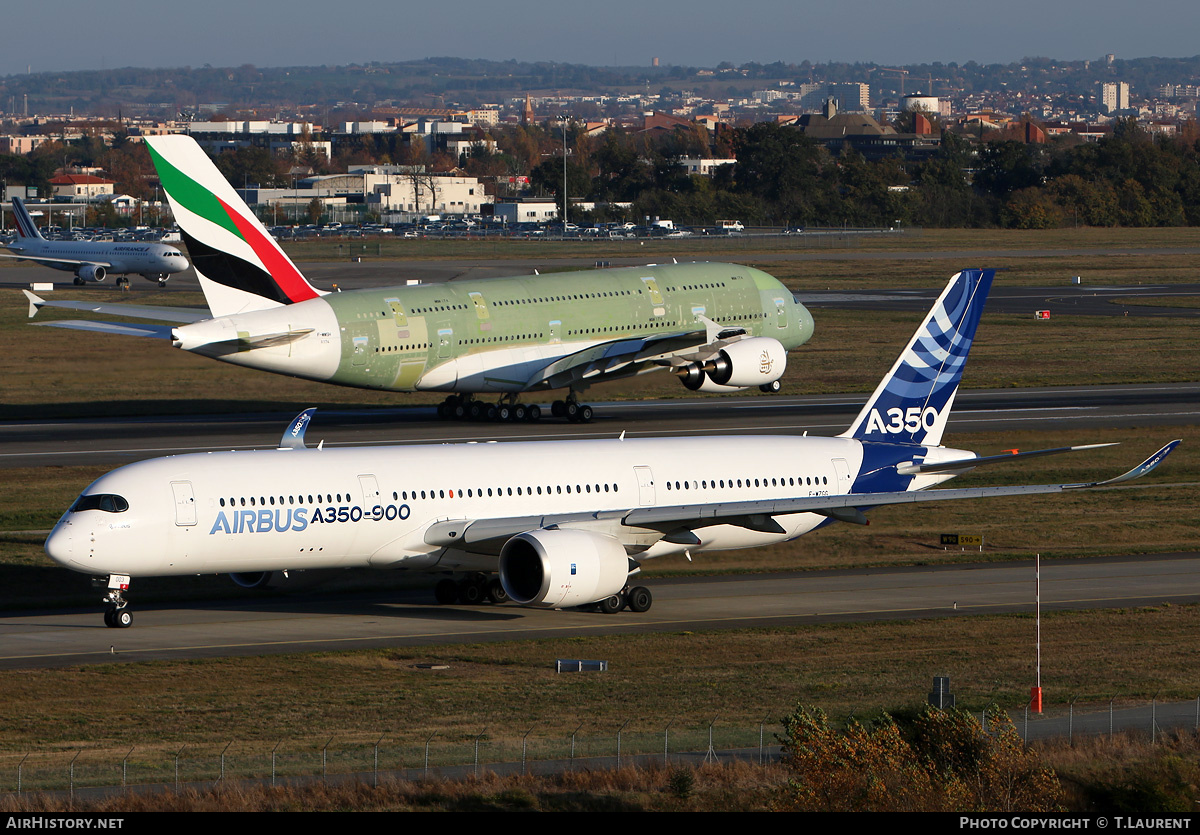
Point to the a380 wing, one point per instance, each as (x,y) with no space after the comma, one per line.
(622,357)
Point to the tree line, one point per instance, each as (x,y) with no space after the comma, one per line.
(781,178)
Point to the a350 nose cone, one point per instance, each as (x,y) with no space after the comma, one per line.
(60,544)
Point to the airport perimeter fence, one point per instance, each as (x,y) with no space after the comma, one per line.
(458,753)
(453,753)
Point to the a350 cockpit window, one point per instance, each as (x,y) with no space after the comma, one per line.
(108,502)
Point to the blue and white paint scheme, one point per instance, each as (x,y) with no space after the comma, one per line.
(562,523)
(93,261)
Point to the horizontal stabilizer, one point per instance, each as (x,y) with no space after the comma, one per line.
(968,463)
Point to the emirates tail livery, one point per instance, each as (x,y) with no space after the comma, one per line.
(719,327)
(550,524)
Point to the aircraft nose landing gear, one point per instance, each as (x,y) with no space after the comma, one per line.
(117,614)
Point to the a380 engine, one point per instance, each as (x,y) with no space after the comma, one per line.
(553,569)
(92,272)
(758,361)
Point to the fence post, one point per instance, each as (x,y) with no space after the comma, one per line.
(375,772)
(711,754)
(1154,717)
(573,734)
(221,779)
(619,732)
(761,727)
(431,736)
(666,739)
(177,753)
(71,769)
(523,739)
(125,772)
(324,761)
(481,733)
(20,766)
(273,750)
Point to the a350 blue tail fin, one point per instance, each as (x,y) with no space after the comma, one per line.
(26,228)
(912,403)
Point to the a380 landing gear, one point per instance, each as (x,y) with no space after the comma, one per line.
(117,614)
(572,409)
(465,407)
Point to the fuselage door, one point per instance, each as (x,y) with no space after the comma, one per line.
(370,493)
(445,342)
(781,313)
(185,502)
(645,480)
(844,482)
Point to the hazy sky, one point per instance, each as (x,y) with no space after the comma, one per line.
(70,35)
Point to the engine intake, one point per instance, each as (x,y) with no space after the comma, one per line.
(92,272)
(750,362)
(555,569)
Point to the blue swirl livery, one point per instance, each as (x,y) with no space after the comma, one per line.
(912,403)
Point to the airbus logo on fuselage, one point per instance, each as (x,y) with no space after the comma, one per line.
(279,520)
(912,419)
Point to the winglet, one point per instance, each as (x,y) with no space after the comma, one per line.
(35,303)
(293,436)
(1140,470)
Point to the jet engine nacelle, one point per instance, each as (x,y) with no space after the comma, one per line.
(750,362)
(92,272)
(555,569)
(694,379)
(258,579)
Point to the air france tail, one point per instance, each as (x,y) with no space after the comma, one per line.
(26,228)
(912,403)
(239,265)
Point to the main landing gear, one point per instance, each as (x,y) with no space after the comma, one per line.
(116,614)
(572,409)
(636,599)
(475,589)
(465,407)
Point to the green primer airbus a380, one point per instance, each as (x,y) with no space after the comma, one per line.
(719,327)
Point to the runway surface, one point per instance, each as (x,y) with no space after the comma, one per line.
(116,441)
(310,623)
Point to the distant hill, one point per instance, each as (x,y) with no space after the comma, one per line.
(465,82)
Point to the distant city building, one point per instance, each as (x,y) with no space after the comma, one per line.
(538,210)
(20,145)
(851,97)
(928,104)
(81,188)
(1114,96)
(703,167)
